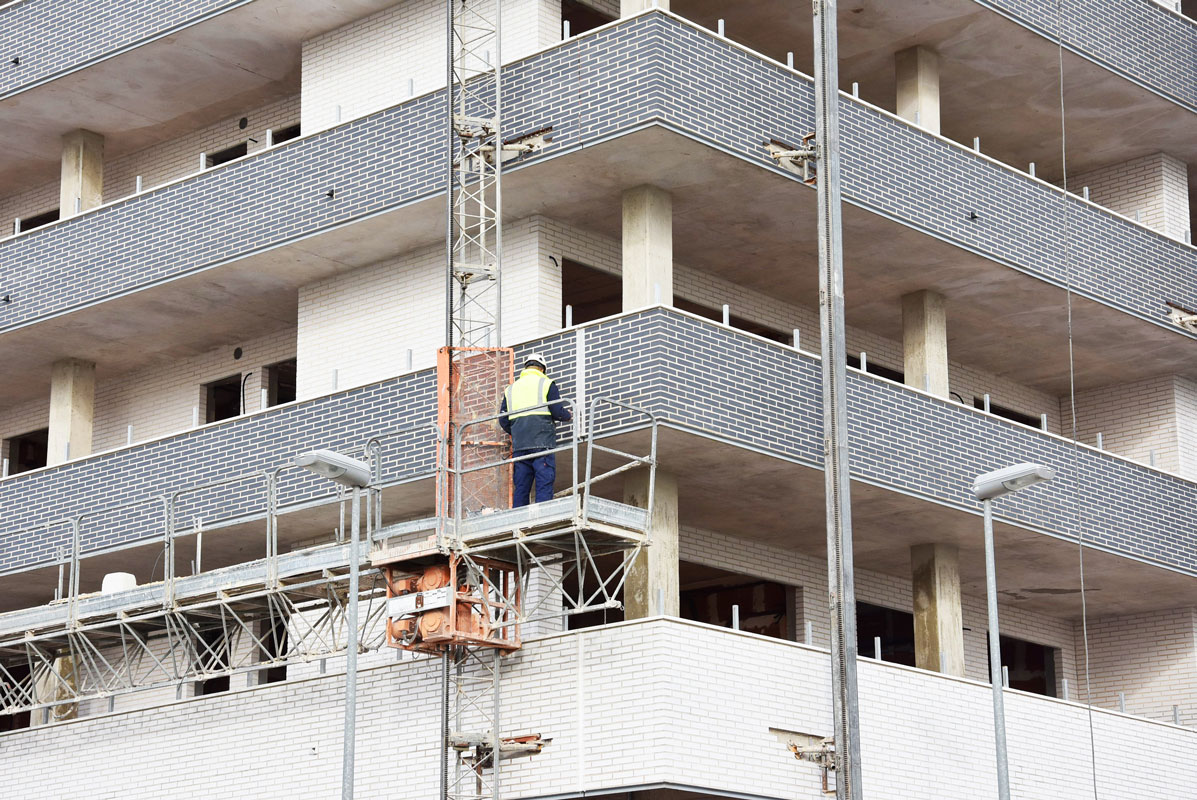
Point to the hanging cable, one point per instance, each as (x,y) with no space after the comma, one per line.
(1076,447)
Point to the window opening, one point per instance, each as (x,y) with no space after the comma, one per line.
(896,629)
(213,658)
(582,17)
(1007,413)
(21,719)
(285,134)
(228,154)
(1031,667)
(708,594)
(274,640)
(28,451)
(876,369)
(38,220)
(222,398)
(280,386)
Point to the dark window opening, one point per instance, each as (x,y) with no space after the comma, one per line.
(38,220)
(223,398)
(213,649)
(20,719)
(274,641)
(1189,8)
(876,369)
(228,154)
(708,594)
(582,17)
(285,134)
(1007,413)
(595,294)
(1031,667)
(27,451)
(896,629)
(281,382)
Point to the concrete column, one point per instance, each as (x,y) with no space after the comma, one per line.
(925,342)
(917,72)
(656,568)
(647,247)
(938,626)
(72,404)
(629,7)
(82,172)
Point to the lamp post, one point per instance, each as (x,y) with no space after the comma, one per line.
(986,487)
(356,475)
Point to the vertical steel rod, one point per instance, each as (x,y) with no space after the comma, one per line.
(995,660)
(351,652)
(841,590)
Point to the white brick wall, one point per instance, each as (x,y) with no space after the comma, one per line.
(1151,658)
(367,65)
(1156,187)
(26,203)
(637,703)
(362,323)
(1139,419)
(160,400)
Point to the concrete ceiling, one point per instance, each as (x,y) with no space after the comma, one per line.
(998,79)
(225,66)
(731,219)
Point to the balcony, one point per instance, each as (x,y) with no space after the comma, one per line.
(913,457)
(661,707)
(233,243)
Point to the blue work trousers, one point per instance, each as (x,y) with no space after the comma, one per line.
(543,470)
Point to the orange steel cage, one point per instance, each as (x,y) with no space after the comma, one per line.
(470,385)
(449,601)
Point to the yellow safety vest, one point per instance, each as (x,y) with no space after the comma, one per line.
(530,389)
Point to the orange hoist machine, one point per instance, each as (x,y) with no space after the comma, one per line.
(437,598)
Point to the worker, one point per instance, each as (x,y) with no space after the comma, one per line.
(533,429)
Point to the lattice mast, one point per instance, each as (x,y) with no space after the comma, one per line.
(470,676)
(474,237)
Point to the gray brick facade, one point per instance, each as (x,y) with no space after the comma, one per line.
(1136,38)
(52,37)
(650,69)
(900,439)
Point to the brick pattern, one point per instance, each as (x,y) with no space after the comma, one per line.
(1153,190)
(1149,658)
(589,87)
(901,439)
(1137,38)
(1137,420)
(609,700)
(56,36)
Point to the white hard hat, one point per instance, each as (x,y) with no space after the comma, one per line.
(535,357)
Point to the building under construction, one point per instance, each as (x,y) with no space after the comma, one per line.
(883,455)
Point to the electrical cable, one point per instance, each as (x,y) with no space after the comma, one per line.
(1076,448)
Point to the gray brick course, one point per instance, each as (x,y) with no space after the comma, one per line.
(899,438)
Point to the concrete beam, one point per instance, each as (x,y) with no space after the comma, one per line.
(655,569)
(82,185)
(917,73)
(925,342)
(647,247)
(938,623)
(629,7)
(72,407)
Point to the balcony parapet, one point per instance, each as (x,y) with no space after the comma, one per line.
(902,439)
(651,69)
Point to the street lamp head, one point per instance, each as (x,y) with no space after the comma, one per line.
(336,467)
(1010,479)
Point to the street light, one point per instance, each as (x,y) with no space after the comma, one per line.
(987,487)
(356,475)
